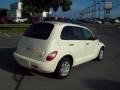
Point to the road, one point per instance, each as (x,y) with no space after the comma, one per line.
(92,75)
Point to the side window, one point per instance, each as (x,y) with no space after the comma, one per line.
(87,34)
(72,33)
(78,33)
(67,33)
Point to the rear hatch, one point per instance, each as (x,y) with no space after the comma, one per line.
(35,40)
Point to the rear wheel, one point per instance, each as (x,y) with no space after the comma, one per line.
(19,22)
(63,69)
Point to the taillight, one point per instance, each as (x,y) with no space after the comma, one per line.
(51,56)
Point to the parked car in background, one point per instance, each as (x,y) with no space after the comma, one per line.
(112,20)
(117,20)
(91,20)
(57,47)
(33,19)
(85,20)
(6,20)
(97,20)
(50,19)
(20,19)
(94,21)
(1,21)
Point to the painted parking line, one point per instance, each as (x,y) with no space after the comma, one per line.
(7,35)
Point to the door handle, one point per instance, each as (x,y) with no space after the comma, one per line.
(71,44)
(87,43)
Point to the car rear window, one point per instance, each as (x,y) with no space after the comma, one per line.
(39,31)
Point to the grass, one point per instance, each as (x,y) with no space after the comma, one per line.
(13,28)
(14,25)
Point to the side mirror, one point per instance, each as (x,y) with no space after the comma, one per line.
(95,38)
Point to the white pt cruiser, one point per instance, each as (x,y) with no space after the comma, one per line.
(57,47)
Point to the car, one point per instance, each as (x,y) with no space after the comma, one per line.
(94,21)
(85,20)
(56,47)
(49,18)
(97,20)
(4,20)
(113,20)
(20,19)
(117,21)
(32,20)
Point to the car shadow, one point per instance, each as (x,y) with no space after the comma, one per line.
(102,84)
(8,63)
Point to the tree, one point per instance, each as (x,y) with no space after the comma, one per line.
(38,6)
(29,6)
(55,6)
(64,4)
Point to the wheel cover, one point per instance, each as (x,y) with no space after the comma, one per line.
(65,68)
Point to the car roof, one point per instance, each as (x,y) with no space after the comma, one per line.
(59,23)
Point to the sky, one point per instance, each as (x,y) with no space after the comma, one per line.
(77,5)
(6,3)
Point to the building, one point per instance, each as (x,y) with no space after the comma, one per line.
(16,10)
(3,12)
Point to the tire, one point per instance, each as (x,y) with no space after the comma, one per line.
(100,55)
(19,22)
(63,69)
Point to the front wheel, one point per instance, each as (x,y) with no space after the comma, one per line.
(63,69)
(100,55)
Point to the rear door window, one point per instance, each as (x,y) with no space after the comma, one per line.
(39,31)
(72,33)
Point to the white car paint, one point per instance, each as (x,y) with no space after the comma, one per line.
(32,52)
(20,19)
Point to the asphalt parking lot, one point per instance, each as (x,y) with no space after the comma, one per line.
(92,75)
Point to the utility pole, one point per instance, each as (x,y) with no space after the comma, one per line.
(94,9)
(89,10)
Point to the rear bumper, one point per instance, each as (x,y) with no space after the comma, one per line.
(47,67)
